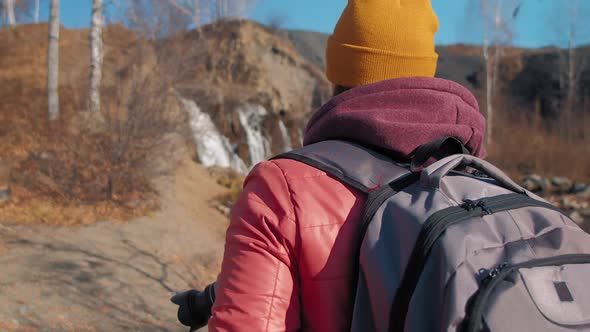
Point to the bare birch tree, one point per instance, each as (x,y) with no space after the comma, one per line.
(230,8)
(53,62)
(203,11)
(8,12)
(573,28)
(14,11)
(154,19)
(499,17)
(36,11)
(3,20)
(195,9)
(96,56)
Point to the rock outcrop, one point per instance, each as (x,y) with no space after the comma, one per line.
(255,86)
(4,181)
(572,197)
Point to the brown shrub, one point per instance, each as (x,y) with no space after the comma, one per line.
(231,180)
(4,175)
(109,158)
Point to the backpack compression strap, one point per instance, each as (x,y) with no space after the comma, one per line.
(351,163)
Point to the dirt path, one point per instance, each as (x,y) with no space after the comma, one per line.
(113,276)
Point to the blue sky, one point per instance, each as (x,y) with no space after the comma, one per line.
(536,26)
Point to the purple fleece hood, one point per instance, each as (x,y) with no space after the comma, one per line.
(401,114)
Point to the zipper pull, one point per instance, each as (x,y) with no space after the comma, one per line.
(469,205)
(486,275)
(484,207)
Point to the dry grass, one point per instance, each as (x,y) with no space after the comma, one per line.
(24,209)
(230,180)
(525,145)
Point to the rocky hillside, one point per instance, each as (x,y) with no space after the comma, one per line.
(311,44)
(528,77)
(254,85)
(247,91)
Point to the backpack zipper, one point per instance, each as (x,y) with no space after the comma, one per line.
(485,275)
(491,279)
(433,229)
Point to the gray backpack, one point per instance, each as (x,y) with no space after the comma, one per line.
(444,248)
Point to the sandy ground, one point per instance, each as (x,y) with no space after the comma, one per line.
(113,276)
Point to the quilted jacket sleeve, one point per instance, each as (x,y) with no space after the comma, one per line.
(258,288)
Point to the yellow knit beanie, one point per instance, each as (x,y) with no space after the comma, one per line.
(376,40)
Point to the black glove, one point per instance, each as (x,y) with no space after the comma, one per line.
(195,307)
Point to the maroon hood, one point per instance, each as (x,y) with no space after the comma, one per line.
(401,114)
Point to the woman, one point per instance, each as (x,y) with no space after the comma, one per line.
(289,253)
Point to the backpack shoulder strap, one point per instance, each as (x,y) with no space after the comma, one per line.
(351,163)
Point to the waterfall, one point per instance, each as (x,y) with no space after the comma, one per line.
(213,149)
(286,138)
(301,135)
(251,118)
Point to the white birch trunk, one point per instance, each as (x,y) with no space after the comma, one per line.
(222,9)
(53,62)
(573,66)
(96,56)
(489,92)
(499,17)
(492,72)
(487,41)
(9,8)
(36,11)
(572,70)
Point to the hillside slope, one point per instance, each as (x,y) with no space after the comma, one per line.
(225,68)
(527,75)
(113,276)
(245,63)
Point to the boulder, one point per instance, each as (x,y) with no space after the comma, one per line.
(568,203)
(577,217)
(224,209)
(562,184)
(534,183)
(4,194)
(584,194)
(579,187)
(4,181)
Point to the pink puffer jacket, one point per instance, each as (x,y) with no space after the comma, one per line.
(288,263)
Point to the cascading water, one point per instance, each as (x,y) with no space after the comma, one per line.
(286,138)
(213,149)
(301,135)
(251,118)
